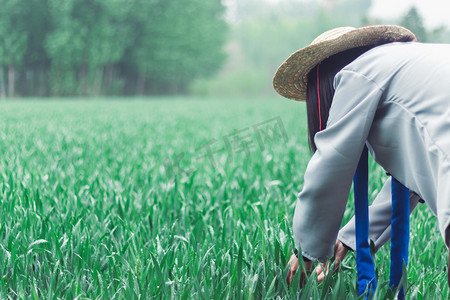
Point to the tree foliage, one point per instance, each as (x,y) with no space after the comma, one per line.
(91,47)
(414,22)
(13,40)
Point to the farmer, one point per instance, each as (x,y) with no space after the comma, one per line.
(374,86)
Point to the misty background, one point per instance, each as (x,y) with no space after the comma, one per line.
(158,47)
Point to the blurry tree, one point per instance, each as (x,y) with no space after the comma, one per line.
(440,34)
(13,41)
(91,47)
(89,37)
(183,41)
(32,76)
(106,38)
(414,22)
(106,52)
(64,45)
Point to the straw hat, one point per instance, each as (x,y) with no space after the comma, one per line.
(290,80)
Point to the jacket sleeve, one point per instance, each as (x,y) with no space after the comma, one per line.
(328,177)
(379,219)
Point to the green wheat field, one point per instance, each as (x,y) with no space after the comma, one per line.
(170,198)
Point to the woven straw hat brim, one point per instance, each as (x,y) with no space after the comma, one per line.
(290,80)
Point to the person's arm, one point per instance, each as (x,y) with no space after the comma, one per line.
(379,219)
(328,177)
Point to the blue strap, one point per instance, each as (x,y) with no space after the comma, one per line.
(364,263)
(399,233)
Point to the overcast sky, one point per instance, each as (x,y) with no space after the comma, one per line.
(434,12)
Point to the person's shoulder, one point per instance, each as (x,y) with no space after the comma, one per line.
(383,54)
(395,54)
(398,63)
(381,63)
(405,49)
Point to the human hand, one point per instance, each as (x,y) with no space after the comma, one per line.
(340,251)
(293,269)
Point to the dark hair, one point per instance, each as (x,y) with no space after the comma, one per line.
(328,68)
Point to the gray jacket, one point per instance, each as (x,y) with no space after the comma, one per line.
(396,99)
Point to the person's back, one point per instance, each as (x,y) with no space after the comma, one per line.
(409,132)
